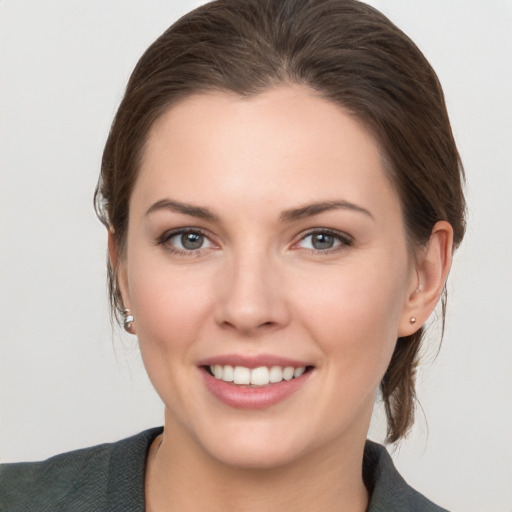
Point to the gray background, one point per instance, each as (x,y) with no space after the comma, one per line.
(66,381)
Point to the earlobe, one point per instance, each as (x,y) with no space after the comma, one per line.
(119,270)
(432,266)
(112,248)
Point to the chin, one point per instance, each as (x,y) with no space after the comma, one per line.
(263,444)
(251,455)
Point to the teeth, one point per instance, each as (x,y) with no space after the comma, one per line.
(260,376)
(288,373)
(299,371)
(276,374)
(228,373)
(217,371)
(241,375)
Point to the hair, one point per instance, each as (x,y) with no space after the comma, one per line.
(343,50)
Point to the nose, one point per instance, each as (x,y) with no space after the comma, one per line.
(251,296)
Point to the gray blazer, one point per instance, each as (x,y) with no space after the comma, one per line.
(110,477)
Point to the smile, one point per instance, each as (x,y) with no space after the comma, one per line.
(260,376)
(254,381)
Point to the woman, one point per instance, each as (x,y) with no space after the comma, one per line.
(282,195)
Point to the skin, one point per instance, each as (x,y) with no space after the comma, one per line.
(258,286)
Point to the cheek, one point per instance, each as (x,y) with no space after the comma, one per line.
(354,314)
(169,304)
(170,308)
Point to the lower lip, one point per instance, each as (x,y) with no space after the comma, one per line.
(257,397)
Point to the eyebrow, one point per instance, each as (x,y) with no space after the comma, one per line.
(286,216)
(317,208)
(187,209)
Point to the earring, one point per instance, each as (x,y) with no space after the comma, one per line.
(127,320)
(412,320)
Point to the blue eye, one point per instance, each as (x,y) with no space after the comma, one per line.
(186,241)
(324,241)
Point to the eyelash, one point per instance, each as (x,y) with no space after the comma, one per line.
(343,239)
(168,235)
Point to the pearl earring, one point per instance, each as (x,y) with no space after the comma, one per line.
(412,320)
(127,320)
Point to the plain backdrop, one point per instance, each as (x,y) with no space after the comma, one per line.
(68,381)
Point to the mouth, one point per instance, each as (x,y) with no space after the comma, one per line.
(254,381)
(255,377)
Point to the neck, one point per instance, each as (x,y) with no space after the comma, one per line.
(181,476)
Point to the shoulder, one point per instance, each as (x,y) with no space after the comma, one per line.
(56,481)
(86,479)
(389,491)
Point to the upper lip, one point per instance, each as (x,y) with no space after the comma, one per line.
(252,361)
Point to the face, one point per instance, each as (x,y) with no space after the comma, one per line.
(267,270)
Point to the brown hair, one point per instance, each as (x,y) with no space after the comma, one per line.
(347,52)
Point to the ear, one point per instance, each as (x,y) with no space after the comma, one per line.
(119,268)
(428,278)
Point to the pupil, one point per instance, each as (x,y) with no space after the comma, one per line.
(323,241)
(191,240)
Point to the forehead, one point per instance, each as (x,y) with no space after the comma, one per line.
(283,145)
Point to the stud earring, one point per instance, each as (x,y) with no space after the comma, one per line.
(412,320)
(127,320)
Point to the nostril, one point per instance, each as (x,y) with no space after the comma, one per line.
(248,325)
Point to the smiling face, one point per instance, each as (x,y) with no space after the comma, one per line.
(265,240)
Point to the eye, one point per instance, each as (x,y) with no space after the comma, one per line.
(324,240)
(186,241)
